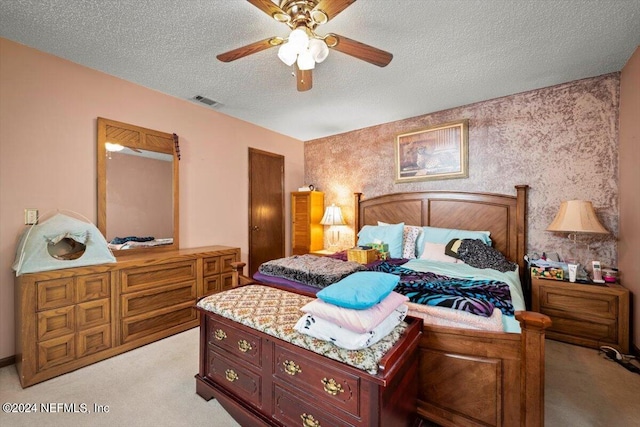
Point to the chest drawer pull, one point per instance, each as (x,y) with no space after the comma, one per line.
(230,375)
(244,346)
(291,368)
(309,421)
(332,387)
(219,334)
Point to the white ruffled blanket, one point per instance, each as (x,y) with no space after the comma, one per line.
(443,316)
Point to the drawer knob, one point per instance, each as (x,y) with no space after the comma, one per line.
(332,387)
(230,375)
(291,368)
(244,346)
(309,421)
(219,334)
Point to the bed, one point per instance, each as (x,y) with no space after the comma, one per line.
(470,377)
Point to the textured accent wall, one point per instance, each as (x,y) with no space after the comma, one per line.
(562,141)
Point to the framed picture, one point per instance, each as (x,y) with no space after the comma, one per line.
(439,152)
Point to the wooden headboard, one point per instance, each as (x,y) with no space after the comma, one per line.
(503,215)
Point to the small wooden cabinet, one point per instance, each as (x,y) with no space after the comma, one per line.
(307,234)
(70,318)
(584,314)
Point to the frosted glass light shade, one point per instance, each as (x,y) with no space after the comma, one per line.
(319,50)
(299,40)
(577,216)
(287,54)
(305,61)
(110,146)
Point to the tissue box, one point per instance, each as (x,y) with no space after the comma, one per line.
(547,273)
(362,256)
(381,247)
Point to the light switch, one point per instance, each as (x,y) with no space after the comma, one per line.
(30,216)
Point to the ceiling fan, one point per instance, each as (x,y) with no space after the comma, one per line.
(304,48)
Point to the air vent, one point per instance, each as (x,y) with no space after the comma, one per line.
(205,100)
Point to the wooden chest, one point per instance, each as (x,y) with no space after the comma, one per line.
(262,380)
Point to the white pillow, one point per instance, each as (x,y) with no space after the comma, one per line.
(435,252)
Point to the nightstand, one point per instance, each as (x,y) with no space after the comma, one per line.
(584,314)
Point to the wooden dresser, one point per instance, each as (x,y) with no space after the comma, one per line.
(307,234)
(262,380)
(70,318)
(584,314)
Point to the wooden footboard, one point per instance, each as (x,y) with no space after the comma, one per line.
(475,378)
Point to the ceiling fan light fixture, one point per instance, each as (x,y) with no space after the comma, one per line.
(299,40)
(319,50)
(287,54)
(305,61)
(111,147)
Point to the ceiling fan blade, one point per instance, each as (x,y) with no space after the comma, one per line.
(249,49)
(304,79)
(270,8)
(333,7)
(359,50)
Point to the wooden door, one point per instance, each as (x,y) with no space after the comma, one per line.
(266,208)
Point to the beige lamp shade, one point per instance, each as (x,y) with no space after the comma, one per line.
(577,216)
(332,216)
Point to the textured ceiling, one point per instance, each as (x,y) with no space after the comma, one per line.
(447,53)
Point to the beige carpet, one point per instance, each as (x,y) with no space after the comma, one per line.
(150,386)
(154,386)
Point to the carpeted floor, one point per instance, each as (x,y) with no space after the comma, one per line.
(155,386)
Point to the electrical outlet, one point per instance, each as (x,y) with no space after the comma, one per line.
(30,216)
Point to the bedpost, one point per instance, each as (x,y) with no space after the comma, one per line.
(356,217)
(521,223)
(237,277)
(532,327)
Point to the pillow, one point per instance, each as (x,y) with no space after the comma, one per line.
(360,290)
(436,252)
(389,234)
(453,247)
(324,330)
(444,236)
(360,321)
(410,234)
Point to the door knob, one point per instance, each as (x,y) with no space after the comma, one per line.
(255,228)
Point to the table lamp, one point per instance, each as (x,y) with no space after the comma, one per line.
(333,218)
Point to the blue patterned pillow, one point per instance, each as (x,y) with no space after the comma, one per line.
(360,290)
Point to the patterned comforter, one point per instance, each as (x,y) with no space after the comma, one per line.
(478,297)
(312,270)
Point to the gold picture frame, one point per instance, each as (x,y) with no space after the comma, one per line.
(437,152)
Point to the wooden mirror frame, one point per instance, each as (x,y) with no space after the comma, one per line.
(144,139)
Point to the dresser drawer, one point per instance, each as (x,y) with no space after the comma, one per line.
(234,377)
(329,386)
(138,327)
(241,344)
(56,323)
(93,286)
(211,266)
(291,411)
(94,313)
(149,300)
(55,293)
(56,352)
(153,276)
(94,340)
(600,305)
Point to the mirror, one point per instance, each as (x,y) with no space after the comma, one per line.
(137,188)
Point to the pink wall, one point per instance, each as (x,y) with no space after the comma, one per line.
(48,112)
(562,141)
(629,180)
(139,197)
